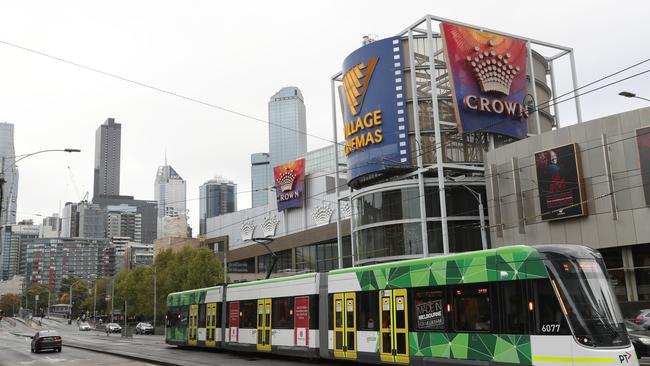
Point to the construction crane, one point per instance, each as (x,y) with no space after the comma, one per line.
(83,198)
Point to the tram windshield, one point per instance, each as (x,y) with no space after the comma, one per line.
(588,301)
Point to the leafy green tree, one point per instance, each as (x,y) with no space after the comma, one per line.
(38,307)
(10,304)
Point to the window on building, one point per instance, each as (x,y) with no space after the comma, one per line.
(283,262)
(472,308)
(429,306)
(641,255)
(242,266)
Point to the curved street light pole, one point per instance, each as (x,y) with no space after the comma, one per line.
(3,169)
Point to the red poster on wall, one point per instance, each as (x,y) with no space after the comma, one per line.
(301,321)
(233,322)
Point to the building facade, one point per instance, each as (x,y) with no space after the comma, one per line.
(287,126)
(260,178)
(51,226)
(92,220)
(170,193)
(217,196)
(148,211)
(49,260)
(13,239)
(10,175)
(106,172)
(124,221)
(602,162)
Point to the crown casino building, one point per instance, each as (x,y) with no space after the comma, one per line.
(409,177)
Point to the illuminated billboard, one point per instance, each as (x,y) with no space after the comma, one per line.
(487,72)
(559,182)
(289,184)
(374,109)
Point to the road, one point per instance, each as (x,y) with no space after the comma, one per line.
(15,351)
(151,350)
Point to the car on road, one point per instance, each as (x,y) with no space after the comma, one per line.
(144,328)
(113,328)
(46,339)
(643,318)
(640,338)
(84,327)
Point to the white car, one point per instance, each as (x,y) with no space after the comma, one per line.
(84,327)
(113,328)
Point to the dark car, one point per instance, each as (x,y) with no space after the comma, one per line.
(46,339)
(144,328)
(640,338)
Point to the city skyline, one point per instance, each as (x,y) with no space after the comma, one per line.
(77,99)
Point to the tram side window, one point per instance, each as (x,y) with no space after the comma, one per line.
(183,315)
(368,310)
(550,318)
(313,312)
(248,314)
(513,305)
(201,319)
(219,307)
(282,313)
(472,308)
(428,310)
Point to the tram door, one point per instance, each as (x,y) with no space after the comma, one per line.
(345,325)
(264,325)
(210,324)
(193,326)
(394,344)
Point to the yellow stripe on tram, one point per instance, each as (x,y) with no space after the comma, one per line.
(577,360)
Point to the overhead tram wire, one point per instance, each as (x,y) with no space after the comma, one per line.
(165,91)
(287,128)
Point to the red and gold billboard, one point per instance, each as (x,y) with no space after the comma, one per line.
(487,72)
(289,184)
(559,182)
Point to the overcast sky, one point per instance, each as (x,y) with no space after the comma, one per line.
(237,54)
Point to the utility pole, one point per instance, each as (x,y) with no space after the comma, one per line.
(95,305)
(49,292)
(70,302)
(112,298)
(154,299)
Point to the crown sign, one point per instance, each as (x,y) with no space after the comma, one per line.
(492,70)
(285,180)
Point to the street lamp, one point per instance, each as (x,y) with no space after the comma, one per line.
(3,169)
(628,94)
(481,213)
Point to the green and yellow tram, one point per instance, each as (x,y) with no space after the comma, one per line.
(517,305)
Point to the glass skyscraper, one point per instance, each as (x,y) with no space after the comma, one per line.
(261,178)
(287,126)
(216,197)
(10,174)
(170,193)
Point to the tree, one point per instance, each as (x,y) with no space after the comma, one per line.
(38,307)
(10,304)
(79,294)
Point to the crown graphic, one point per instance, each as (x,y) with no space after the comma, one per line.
(247,229)
(285,180)
(269,224)
(492,70)
(322,214)
(355,84)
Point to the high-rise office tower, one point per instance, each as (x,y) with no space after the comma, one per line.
(12,247)
(260,178)
(10,174)
(287,126)
(107,159)
(217,196)
(170,193)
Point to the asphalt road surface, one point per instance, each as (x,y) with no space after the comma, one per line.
(14,350)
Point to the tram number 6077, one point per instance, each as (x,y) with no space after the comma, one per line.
(550,328)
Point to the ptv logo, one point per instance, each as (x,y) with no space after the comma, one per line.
(625,357)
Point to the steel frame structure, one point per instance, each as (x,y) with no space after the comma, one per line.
(409,33)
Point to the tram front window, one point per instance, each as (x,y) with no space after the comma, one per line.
(589,302)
